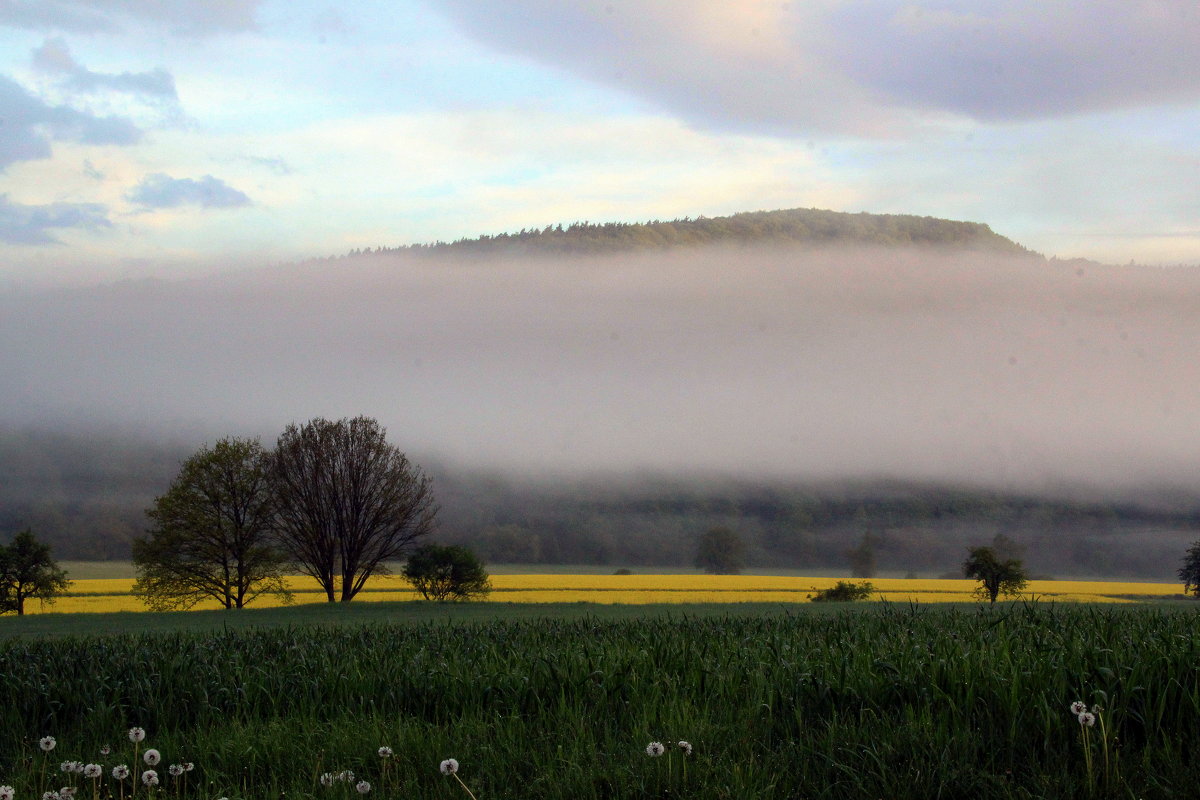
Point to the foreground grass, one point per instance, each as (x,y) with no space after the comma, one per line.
(895,701)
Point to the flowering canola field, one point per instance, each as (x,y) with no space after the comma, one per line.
(115,594)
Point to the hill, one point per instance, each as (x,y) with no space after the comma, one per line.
(806,226)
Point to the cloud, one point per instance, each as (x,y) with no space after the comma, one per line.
(54,58)
(22,224)
(866,68)
(162,191)
(28,126)
(182,17)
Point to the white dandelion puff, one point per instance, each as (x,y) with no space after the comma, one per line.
(449,766)
(385,752)
(150,778)
(92,771)
(346,776)
(47,743)
(105,750)
(655,749)
(120,772)
(151,757)
(50,796)
(67,792)
(362,787)
(1087,719)
(327,779)
(176,770)
(1078,707)
(686,747)
(188,766)
(136,735)
(6,793)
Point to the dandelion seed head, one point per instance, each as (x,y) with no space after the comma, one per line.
(655,749)
(47,743)
(67,792)
(176,770)
(136,735)
(1087,719)
(105,750)
(385,752)
(93,771)
(151,757)
(362,787)
(50,796)
(6,793)
(120,772)
(449,766)
(327,779)
(150,778)
(188,766)
(1078,707)
(346,775)
(686,747)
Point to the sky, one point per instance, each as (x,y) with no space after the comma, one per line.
(179,137)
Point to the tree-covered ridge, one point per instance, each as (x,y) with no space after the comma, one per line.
(808,226)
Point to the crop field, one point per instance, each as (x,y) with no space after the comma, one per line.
(114,594)
(868,701)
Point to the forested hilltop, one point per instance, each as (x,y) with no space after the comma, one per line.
(86,496)
(808,226)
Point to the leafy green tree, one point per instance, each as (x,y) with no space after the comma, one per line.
(347,502)
(996,576)
(1189,573)
(720,551)
(213,532)
(447,572)
(28,572)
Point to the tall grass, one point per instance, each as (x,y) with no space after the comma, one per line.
(896,702)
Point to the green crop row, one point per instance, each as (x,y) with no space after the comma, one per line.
(894,702)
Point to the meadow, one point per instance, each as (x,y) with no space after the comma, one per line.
(894,700)
(111,589)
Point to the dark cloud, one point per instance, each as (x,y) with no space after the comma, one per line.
(162,191)
(182,17)
(54,58)
(861,67)
(28,126)
(22,224)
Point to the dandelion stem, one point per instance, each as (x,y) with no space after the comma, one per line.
(465,789)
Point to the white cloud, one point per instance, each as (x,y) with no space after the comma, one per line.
(859,68)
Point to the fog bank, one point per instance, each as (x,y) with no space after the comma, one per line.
(798,364)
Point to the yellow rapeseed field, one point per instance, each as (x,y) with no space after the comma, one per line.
(114,594)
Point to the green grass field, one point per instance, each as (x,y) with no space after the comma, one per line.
(880,700)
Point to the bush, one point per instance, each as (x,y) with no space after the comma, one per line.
(447,572)
(844,592)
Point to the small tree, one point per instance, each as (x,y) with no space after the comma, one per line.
(720,551)
(447,572)
(27,571)
(1189,573)
(862,558)
(213,533)
(996,576)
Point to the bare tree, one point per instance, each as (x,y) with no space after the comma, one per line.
(347,501)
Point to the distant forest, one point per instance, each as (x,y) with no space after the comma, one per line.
(85,495)
(807,226)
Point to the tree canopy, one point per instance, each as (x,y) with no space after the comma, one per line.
(720,551)
(213,532)
(996,576)
(447,572)
(28,572)
(347,501)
